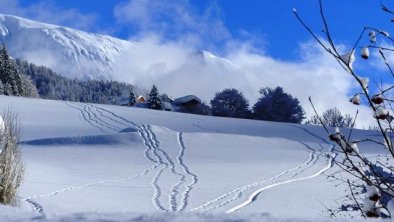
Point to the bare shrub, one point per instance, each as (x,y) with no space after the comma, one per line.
(11,165)
(370,178)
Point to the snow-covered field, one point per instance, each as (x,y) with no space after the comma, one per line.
(110,160)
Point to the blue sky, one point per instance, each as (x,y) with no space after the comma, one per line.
(270,24)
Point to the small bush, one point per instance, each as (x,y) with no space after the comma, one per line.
(11,165)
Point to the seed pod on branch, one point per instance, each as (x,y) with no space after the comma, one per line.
(377,99)
(365,53)
(355,99)
(372,36)
(381,113)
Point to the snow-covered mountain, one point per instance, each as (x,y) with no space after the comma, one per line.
(70,52)
(78,54)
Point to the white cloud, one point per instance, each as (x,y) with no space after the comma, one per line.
(47,11)
(174,20)
(171,62)
(178,70)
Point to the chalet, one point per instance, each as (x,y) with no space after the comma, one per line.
(187,103)
(123,101)
(141,99)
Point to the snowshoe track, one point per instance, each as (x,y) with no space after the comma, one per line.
(239,192)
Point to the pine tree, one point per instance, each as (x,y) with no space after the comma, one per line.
(132,99)
(9,74)
(154,101)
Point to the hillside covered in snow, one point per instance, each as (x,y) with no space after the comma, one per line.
(114,160)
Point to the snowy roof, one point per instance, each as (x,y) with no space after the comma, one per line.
(186,99)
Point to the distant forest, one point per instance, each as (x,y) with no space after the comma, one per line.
(53,86)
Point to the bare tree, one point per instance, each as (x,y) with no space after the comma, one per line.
(370,180)
(11,165)
(332,117)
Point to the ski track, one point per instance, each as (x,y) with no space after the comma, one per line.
(186,170)
(105,124)
(94,118)
(58,192)
(239,191)
(84,117)
(117,116)
(253,197)
(108,117)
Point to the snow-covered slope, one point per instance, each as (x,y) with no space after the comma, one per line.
(95,158)
(70,52)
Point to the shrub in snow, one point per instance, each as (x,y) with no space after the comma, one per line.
(276,105)
(11,166)
(230,103)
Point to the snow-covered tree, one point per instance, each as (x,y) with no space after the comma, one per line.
(9,74)
(276,105)
(132,99)
(332,117)
(154,101)
(29,88)
(230,103)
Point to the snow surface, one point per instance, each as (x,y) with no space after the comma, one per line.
(112,160)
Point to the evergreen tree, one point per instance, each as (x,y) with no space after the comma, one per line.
(132,99)
(29,89)
(154,101)
(9,74)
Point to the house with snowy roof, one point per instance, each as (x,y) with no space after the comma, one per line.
(186,103)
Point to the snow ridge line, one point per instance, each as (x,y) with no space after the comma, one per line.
(104,123)
(186,170)
(181,178)
(84,117)
(253,197)
(239,191)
